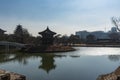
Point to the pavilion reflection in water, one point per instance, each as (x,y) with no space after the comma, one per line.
(48,63)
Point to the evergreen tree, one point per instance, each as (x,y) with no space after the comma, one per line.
(18,34)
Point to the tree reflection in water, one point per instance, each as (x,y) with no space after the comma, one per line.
(47,61)
(114,57)
(115,75)
(74,56)
(20,58)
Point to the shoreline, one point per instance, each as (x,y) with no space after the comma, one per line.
(48,49)
(7,75)
(115,75)
(96,45)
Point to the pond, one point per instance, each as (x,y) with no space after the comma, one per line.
(86,63)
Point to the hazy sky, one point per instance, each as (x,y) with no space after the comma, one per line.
(62,16)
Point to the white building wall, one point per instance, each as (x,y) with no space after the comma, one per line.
(97,34)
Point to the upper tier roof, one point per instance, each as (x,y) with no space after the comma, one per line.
(47,31)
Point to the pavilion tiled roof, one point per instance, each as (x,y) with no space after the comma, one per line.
(47,31)
(1,30)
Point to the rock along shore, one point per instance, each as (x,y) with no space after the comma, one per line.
(115,75)
(6,75)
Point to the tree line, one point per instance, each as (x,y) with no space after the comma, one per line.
(21,35)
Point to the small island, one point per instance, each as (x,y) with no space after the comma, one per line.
(47,45)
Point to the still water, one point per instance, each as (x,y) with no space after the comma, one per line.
(86,63)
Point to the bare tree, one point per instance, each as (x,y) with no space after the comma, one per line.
(116,22)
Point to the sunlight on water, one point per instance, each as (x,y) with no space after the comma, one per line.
(86,63)
(98,51)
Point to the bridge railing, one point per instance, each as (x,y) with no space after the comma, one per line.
(6,43)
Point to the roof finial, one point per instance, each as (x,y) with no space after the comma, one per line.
(47,27)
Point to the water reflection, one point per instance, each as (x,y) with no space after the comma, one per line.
(74,56)
(115,75)
(47,61)
(77,65)
(114,57)
(20,58)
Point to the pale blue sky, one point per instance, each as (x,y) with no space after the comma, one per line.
(62,16)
